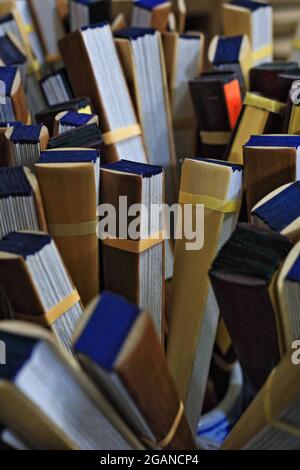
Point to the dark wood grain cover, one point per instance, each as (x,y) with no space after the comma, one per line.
(121,268)
(248,313)
(18,287)
(154,390)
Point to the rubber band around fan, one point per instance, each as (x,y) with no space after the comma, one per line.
(215,137)
(123,133)
(257,101)
(262,53)
(55,312)
(73,230)
(211,203)
(171,433)
(134,246)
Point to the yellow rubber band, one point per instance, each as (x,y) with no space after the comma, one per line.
(73,230)
(86,110)
(211,203)
(262,53)
(55,312)
(135,246)
(251,99)
(166,440)
(29,28)
(51,58)
(34,66)
(275,423)
(112,137)
(294,124)
(215,138)
(296,43)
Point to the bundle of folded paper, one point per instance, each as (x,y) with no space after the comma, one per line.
(125,332)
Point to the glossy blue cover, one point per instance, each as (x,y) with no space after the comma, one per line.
(281,210)
(69,156)
(249,4)
(148,4)
(284,140)
(76,119)
(13,182)
(24,244)
(127,166)
(18,350)
(233,166)
(9,53)
(133,32)
(228,50)
(8,75)
(26,134)
(107,330)
(294,274)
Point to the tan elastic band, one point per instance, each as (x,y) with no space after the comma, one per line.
(166,440)
(211,203)
(135,246)
(215,138)
(50,58)
(123,133)
(73,230)
(296,43)
(35,66)
(294,120)
(257,101)
(29,28)
(55,312)
(86,110)
(262,53)
(275,423)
